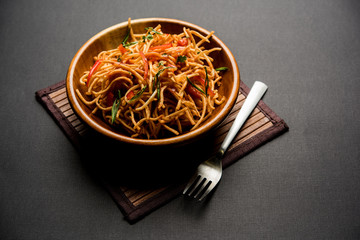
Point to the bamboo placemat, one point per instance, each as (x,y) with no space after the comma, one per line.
(141,180)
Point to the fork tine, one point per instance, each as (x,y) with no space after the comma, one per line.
(204,187)
(191,182)
(208,190)
(199,183)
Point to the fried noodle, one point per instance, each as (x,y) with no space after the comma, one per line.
(154,84)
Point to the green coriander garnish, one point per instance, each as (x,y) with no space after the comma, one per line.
(206,82)
(153,30)
(161,63)
(138,94)
(129,44)
(115,107)
(148,37)
(221,69)
(126,37)
(181,59)
(192,84)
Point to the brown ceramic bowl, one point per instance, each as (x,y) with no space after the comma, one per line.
(110,38)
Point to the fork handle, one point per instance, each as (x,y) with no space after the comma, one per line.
(255,94)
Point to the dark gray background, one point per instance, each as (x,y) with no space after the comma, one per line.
(303,185)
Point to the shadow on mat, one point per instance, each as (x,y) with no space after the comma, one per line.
(142,167)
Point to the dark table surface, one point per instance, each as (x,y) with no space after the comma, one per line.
(305,184)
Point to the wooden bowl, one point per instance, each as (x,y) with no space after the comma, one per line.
(110,38)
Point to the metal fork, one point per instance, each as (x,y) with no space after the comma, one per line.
(209,172)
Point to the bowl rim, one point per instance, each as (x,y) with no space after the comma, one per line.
(78,110)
